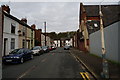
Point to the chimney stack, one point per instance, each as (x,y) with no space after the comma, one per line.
(6,8)
(40,30)
(24,20)
(33,26)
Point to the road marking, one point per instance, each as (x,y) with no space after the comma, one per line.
(74,56)
(86,66)
(22,75)
(85,75)
(82,75)
(79,60)
(43,60)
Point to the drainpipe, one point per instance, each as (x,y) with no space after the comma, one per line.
(25,37)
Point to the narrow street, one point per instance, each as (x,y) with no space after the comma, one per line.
(75,40)
(58,63)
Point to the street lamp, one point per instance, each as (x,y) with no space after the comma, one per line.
(45,32)
(105,71)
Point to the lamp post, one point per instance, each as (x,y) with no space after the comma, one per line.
(45,32)
(105,71)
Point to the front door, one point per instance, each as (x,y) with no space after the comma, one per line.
(5,45)
(28,44)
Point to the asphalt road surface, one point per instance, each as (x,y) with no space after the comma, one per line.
(58,63)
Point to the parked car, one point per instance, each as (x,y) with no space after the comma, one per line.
(45,48)
(18,56)
(50,48)
(37,50)
(53,47)
(66,47)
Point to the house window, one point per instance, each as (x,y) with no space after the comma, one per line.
(13,28)
(23,33)
(32,33)
(23,43)
(12,43)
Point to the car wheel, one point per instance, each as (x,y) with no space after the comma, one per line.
(21,60)
(31,56)
(38,54)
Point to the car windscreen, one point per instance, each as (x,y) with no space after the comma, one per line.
(35,48)
(44,47)
(66,46)
(17,51)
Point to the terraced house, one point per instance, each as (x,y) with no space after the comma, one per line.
(26,35)
(16,33)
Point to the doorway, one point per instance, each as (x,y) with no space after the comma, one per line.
(5,46)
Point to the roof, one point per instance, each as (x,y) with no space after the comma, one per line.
(110,12)
(16,19)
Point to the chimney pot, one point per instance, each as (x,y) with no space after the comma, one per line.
(6,8)
(33,26)
(24,20)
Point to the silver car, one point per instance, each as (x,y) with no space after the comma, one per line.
(37,50)
(66,47)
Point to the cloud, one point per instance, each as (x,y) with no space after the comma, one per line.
(59,16)
(60,0)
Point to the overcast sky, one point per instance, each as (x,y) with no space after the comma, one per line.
(60,16)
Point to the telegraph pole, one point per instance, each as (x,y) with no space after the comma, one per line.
(45,32)
(105,72)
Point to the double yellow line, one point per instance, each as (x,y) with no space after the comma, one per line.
(85,75)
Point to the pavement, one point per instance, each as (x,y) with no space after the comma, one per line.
(94,63)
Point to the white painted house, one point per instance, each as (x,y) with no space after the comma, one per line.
(48,39)
(10,34)
(57,43)
(68,42)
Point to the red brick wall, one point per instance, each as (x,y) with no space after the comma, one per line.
(82,45)
(38,36)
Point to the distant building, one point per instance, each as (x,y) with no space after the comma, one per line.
(42,40)
(57,43)
(68,42)
(37,35)
(48,40)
